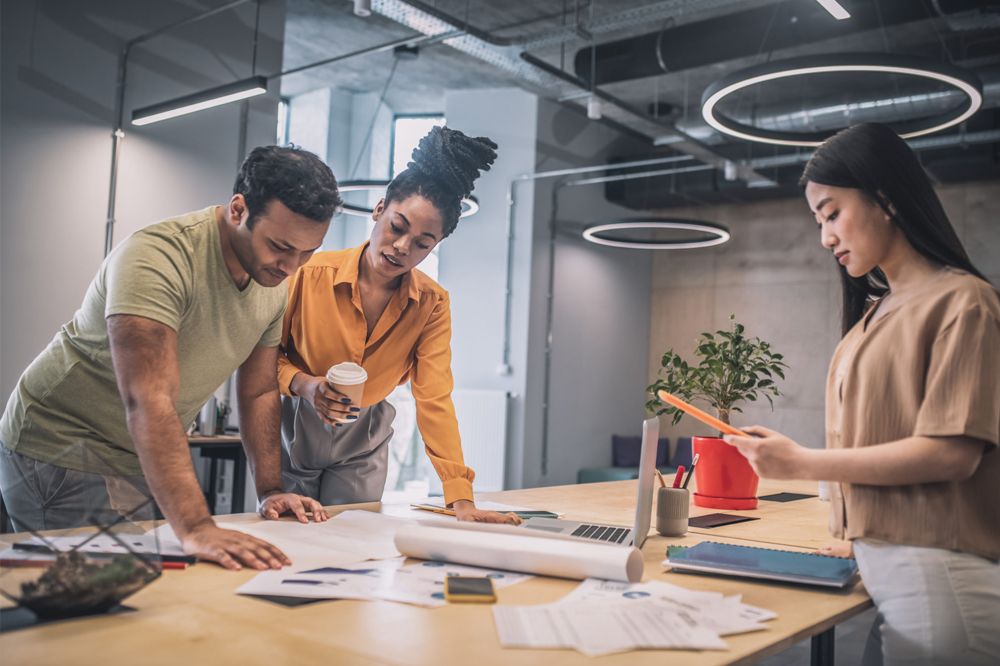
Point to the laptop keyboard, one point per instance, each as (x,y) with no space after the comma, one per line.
(602,533)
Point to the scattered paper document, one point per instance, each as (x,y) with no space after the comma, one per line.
(119,544)
(347,538)
(421,584)
(599,631)
(602,617)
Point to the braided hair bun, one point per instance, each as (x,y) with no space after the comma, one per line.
(444,168)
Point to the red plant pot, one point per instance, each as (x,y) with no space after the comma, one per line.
(724,478)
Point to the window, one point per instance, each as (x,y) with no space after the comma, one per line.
(282,133)
(406,134)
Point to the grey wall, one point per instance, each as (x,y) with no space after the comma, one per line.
(600,329)
(782,285)
(473,260)
(58,78)
(600,295)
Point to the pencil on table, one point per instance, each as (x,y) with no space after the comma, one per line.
(687,479)
(663,484)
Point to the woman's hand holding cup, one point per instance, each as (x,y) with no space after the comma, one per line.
(347,381)
(332,406)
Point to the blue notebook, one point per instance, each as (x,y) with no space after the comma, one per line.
(752,562)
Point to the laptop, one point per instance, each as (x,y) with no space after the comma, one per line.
(616,534)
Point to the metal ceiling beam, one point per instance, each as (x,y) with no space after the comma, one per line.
(543,78)
(923,143)
(678,140)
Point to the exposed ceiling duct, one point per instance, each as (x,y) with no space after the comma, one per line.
(675,49)
(652,62)
(509,55)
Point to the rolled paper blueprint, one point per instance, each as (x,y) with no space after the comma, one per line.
(529,553)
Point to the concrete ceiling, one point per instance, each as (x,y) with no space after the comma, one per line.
(557,35)
(319,29)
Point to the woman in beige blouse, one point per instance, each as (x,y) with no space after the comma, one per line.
(912,406)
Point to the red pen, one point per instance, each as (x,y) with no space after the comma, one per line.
(678,476)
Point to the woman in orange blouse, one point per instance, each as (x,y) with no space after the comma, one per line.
(368,305)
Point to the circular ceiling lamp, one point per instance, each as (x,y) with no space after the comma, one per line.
(962,80)
(603,234)
(470,205)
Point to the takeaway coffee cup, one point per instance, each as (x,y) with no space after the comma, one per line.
(348,378)
(672,507)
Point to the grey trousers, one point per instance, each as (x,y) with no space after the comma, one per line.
(335,465)
(42,496)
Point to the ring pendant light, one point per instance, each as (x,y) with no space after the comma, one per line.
(717,234)
(962,80)
(470,205)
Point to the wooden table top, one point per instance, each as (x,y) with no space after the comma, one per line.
(194,616)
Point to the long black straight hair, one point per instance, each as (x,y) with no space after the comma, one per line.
(872,158)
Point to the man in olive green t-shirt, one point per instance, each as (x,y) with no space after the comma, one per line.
(98,419)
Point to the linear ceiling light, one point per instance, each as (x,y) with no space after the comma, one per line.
(470,205)
(964,81)
(231,92)
(835,9)
(717,234)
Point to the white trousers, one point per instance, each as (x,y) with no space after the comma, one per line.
(935,606)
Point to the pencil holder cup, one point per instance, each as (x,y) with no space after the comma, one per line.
(672,508)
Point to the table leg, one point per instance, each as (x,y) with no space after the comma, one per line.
(822,648)
(213,480)
(239,480)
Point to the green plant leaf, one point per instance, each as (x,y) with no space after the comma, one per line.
(729,368)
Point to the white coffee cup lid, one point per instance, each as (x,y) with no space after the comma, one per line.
(347,373)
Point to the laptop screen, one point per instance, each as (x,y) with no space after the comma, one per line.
(647,472)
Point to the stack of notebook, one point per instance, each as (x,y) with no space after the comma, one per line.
(752,562)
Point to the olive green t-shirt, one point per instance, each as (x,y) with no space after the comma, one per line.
(66,408)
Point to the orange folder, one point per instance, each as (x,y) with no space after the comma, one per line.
(704,417)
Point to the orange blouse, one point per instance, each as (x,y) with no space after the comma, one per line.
(325,325)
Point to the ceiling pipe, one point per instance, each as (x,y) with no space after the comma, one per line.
(678,140)
(509,56)
(921,144)
(675,10)
(505,367)
(827,115)
(118,133)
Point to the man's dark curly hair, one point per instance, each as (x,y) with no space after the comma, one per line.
(444,169)
(295,177)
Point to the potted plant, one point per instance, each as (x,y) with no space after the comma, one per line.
(733,369)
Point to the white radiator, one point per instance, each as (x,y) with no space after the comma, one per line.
(482,422)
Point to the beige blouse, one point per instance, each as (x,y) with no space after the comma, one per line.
(929,367)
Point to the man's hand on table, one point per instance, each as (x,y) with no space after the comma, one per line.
(466,510)
(232,550)
(275,504)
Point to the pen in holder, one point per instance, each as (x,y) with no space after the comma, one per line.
(672,508)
